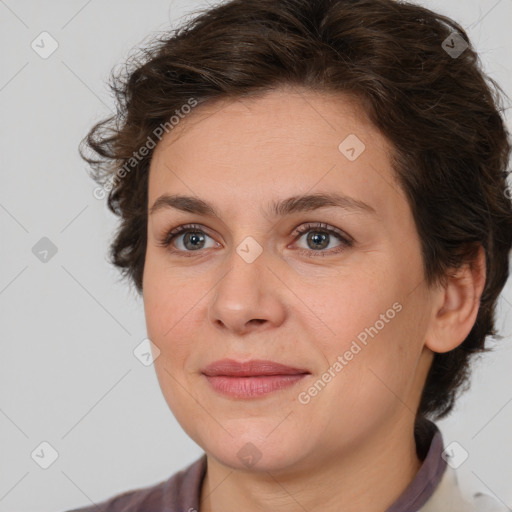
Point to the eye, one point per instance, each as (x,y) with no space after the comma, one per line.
(318,238)
(193,239)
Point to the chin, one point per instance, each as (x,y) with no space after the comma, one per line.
(255,451)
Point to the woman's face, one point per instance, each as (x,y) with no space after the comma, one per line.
(351,313)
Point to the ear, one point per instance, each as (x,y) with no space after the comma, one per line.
(456,305)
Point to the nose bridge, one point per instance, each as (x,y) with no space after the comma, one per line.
(247,290)
(246,266)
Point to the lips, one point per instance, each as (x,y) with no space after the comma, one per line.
(252,368)
(251,379)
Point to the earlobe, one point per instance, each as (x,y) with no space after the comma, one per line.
(455,306)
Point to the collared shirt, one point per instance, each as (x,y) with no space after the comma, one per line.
(433,489)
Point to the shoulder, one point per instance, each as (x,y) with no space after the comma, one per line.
(148,498)
(448,497)
(167,495)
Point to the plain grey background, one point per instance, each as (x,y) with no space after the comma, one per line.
(68,374)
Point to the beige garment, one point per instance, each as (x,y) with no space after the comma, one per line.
(448,497)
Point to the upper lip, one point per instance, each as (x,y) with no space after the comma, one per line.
(230,367)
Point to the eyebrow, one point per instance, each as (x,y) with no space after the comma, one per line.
(280,208)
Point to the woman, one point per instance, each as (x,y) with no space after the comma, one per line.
(314,207)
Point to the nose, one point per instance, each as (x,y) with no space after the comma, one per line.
(248,296)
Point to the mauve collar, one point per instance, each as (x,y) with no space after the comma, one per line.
(423,485)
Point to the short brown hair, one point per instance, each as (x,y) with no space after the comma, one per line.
(439,110)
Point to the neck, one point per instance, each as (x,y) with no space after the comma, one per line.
(368,477)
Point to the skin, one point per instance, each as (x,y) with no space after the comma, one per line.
(351,447)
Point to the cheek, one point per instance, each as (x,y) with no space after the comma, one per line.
(171,305)
(353,307)
(164,296)
(382,374)
(374,333)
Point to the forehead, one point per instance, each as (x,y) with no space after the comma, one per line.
(279,144)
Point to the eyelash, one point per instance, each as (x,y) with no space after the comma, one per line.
(318,227)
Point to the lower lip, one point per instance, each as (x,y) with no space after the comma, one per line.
(251,387)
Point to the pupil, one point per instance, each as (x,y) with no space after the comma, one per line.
(193,237)
(318,238)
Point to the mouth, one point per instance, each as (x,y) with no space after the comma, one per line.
(251,379)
